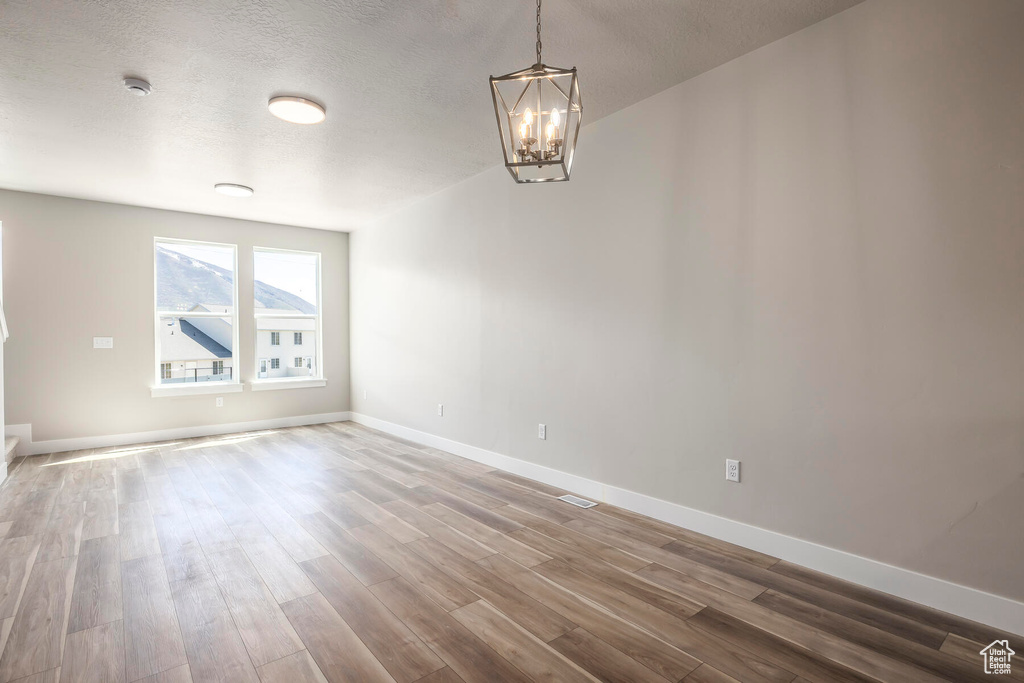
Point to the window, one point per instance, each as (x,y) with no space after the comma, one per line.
(195,313)
(286,299)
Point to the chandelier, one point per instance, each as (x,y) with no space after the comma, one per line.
(538,110)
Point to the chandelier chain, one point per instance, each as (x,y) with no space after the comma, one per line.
(538,32)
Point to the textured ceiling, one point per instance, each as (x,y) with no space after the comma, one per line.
(404,84)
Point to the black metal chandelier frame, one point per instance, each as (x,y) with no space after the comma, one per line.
(549,95)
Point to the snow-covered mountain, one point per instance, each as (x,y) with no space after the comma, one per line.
(185,281)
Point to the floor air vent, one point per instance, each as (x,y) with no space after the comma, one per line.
(577,501)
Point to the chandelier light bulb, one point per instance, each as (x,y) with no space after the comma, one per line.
(526,127)
(551,132)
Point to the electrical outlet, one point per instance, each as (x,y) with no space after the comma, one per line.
(102,342)
(542,431)
(732,470)
(220,401)
(440,410)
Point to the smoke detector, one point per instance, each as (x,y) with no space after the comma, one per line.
(137,86)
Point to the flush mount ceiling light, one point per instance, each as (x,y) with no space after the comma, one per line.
(297,110)
(539,112)
(233,190)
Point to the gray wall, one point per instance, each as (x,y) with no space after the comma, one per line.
(810,259)
(77,269)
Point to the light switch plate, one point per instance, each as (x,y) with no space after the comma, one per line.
(102,342)
(542,431)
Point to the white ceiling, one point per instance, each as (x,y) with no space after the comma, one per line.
(404,84)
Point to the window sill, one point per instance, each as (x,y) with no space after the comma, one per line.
(286,383)
(170,391)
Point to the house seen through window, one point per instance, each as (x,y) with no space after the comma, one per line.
(287,311)
(195,312)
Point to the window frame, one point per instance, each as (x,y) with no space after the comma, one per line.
(159,390)
(275,337)
(275,363)
(296,339)
(317,380)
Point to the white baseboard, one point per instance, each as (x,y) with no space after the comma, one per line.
(970,603)
(30,447)
(24,434)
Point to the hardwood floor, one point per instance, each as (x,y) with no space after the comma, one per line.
(337,553)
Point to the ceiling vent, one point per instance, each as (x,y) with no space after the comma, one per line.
(137,86)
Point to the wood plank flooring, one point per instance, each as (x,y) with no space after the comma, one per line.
(337,553)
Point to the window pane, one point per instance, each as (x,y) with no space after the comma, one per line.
(285,282)
(194,277)
(300,359)
(285,292)
(195,350)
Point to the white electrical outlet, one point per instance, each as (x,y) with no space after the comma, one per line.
(102,342)
(440,410)
(220,401)
(732,470)
(542,431)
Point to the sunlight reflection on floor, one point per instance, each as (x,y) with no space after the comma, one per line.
(135,450)
(226,441)
(110,455)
